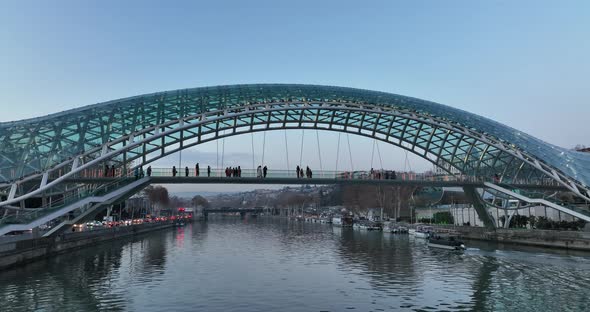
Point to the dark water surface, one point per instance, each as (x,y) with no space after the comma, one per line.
(230,264)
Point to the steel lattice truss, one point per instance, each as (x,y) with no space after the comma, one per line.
(142,129)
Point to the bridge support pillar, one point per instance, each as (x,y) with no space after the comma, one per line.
(480,206)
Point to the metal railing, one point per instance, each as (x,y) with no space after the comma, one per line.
(338,175)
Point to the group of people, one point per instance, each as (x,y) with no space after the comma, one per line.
(261,172)
(187,171)
(382,174)
(139,172)
(109,171)
(308,172)
(235,172)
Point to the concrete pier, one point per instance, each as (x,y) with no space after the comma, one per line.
(576,240)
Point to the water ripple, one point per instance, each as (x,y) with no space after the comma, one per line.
(275,265)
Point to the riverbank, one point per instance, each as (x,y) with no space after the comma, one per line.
(25,251)
(575,240)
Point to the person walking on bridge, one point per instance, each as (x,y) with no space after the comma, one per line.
(259,172)
(208,171)
(297,170)
(174,171)
(239,172)
(186,172)
(264,170)
(149,171)
(197,170)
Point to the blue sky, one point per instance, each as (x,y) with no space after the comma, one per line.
(523,63)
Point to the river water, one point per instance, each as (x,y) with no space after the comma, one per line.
(267,264)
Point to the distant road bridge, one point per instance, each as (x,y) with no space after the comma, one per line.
(241,211)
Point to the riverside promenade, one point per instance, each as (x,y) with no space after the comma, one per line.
(18,252)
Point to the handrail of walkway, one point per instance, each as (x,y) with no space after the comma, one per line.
(325,174)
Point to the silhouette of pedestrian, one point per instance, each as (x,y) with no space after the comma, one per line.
(297,170)
(186,171)
(264,170)
(239,172)
(197,170)
(208,171)
(174,171)
(149,171)
(259,172)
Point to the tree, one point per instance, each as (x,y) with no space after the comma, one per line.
(158,197)
(199,200)
(444,217)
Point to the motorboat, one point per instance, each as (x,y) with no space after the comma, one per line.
(446,242)
(388,227)
(392,227)
(367,225)
(400,230)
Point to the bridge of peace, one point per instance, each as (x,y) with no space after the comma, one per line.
(52,167)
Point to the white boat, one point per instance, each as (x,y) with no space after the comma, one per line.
(421,234)
(388,227)
(342,221)
(391,227)
(421,231)
(367,225)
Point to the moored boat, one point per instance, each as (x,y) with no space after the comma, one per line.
(343,221)
(421,234)
(367,225)
(391,227)
(421,231)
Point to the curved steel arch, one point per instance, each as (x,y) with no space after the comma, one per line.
(124,130)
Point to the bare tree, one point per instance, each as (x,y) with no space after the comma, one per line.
(158,197)
(199,200)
